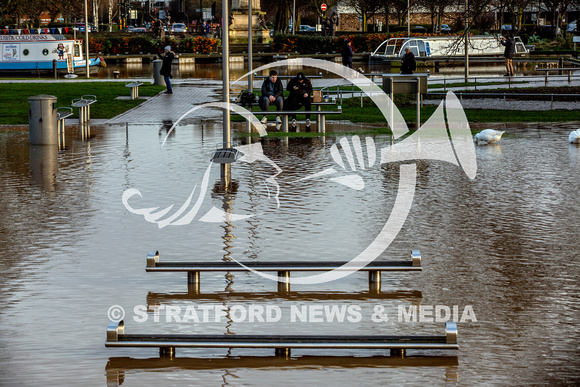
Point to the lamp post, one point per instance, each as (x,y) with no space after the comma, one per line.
(225,169)
(294,17)
(466,42)
(87,37)
(408,20)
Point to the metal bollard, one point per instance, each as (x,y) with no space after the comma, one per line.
(157,77)
(42,119)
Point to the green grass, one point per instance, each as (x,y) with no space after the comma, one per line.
(15,105)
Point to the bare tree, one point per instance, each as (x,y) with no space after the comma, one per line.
(365,8)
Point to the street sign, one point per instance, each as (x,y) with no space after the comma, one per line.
(323,7)
(576,39)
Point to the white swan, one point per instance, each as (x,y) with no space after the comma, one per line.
(574,136)
(488,136)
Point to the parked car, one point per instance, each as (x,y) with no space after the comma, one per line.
(129,29)
(81,27)
(571,26)
(139,30)
(178,28)
(307,28)
(445,28)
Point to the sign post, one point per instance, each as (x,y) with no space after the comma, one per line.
(323,7)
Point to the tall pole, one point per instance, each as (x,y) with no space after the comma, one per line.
(225,169)
(87,37)
(466,42)
(250,77)
(293,17)
(408,19)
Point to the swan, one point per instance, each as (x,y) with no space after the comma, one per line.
(489,136)
(574,136)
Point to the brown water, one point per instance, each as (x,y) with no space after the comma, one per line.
(505,243)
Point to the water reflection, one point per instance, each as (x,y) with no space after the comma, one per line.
(118,368)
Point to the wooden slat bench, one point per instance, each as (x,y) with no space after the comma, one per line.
(194,269)
(167,343)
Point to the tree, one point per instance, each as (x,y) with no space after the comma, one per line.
(365,9)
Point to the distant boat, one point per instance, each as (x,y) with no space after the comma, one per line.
(36,52)
(443,47)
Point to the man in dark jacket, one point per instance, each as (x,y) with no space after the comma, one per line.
(408,63)
(272,92)
(166,68)
(347,53)
(300,95)
(509,54)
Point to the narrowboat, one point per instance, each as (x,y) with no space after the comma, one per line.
(37,53)
(444,47)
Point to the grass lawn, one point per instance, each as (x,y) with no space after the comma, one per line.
(15,105)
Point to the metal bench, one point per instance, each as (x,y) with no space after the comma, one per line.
(569,70)
(134,89)
(194,269)
(320,114)
(61,114)
(84,103)
(282,344)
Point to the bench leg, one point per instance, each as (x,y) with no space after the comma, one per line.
(193,283)
(374,282)
(282,352)
(284,284)
(398,353)
(167,352)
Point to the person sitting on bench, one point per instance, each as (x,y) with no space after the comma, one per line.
(300,89)
(272,92)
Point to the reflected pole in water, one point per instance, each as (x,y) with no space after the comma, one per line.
(225,169)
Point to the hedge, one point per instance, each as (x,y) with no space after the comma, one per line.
(110,45)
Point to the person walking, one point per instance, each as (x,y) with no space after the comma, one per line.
(408,63)
(508,54)
(167,59)
(300,89)
(347,53)
(272,92)
(206,29)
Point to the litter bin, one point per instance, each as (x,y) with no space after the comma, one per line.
(42,118)
(157,78)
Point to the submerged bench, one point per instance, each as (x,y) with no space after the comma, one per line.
(134,89)
(84,103)
(320,114)
(283,269)
(61,114)
(167,343)
(569,70)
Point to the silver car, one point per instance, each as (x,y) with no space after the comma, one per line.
(178,28)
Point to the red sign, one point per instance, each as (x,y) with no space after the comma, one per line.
(323,7)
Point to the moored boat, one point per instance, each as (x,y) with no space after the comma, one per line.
(444,47)
(38,53)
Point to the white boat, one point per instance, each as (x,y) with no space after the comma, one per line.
(36,52)
(444,47)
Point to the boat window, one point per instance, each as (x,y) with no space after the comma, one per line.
(520,47)
(413,47)
(45,51)
(77,50)
(25,52)
(422,50)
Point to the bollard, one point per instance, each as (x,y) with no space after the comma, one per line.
(54,68)
(157,77)
(42,118)
(560,65)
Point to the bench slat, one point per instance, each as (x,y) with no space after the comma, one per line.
(277,266)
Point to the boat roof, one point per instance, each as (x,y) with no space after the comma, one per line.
(32,38)
(447,37)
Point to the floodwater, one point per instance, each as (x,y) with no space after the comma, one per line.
(504,245)
(239,69)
